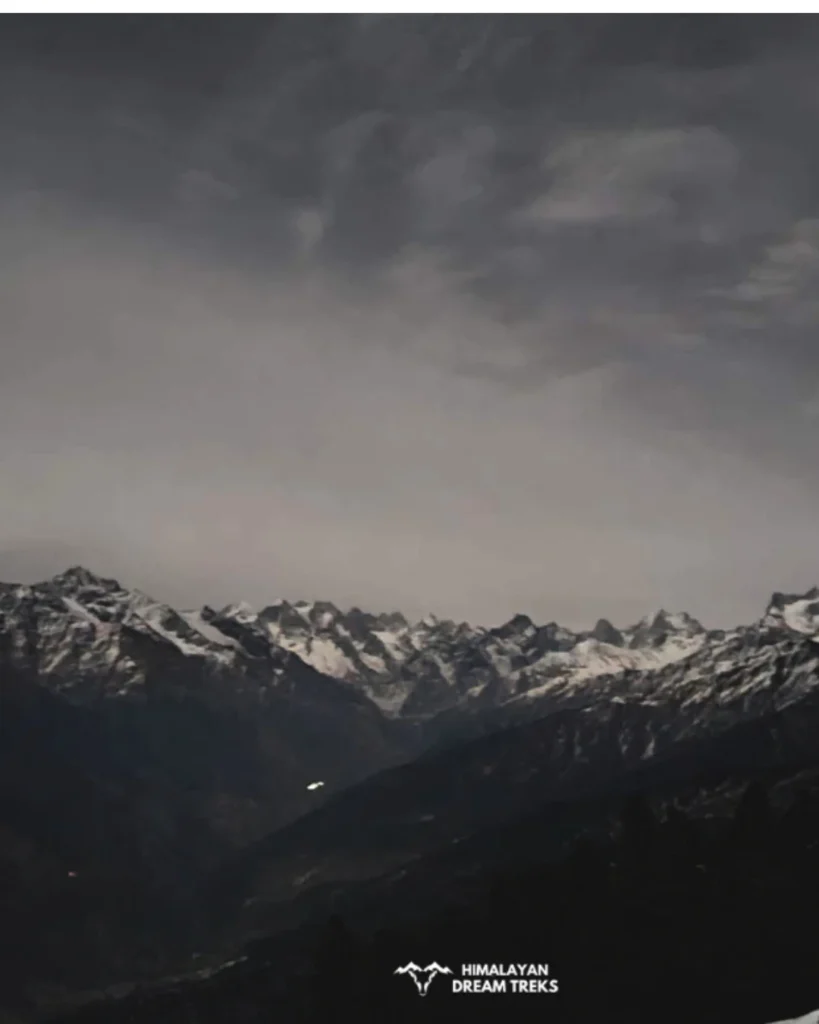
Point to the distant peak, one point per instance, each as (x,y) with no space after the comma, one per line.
(517,625)
(669,620)
(79,576)
(799,612)
(655,618)
(240,610)
(606,633)
(654,628)
(779,600)
(393,620)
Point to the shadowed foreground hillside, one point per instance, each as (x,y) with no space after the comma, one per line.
(673,921)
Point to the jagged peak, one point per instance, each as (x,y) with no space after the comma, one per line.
(78,576)
(518,622)
(393,620)
(798,612)
(239,610)
(275,610)
(519,625)
(664,619)
(607,633)
(655,618)
(555,627)
(779,600)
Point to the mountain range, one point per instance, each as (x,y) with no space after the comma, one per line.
(160,769)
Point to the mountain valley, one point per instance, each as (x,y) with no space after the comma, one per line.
(191,782)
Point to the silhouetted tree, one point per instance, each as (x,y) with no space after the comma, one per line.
(338,966)
(753,820)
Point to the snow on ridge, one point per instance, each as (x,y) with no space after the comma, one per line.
(209,631)
(436,663)
(593,658)
(802,616)
(373,662)
(390,641)
(81,611)
(321,653)
(325,620)
(241,611)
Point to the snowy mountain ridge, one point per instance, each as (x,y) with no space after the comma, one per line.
(78,626)
(418,668)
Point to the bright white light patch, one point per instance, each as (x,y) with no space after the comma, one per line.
(315,785)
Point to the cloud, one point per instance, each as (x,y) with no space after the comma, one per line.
(309,225)
(197,186)
(465,336)
(456,172)
(786,277)
(610,177)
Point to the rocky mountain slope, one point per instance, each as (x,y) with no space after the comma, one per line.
(171,739)
(80,631)
(669,914)
(99,857)
(705,778)
(418,670)
(136,749)
(631,725)
(248,726)
(248,709)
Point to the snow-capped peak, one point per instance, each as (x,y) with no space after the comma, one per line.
(77,577)
(606,633)
(655,629)
(676,621)
(241,611)
(519,625)
(418,668)
(798,612)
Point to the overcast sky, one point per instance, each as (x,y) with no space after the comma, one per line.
(464,315)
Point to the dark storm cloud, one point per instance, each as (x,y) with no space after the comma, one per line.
(474,313)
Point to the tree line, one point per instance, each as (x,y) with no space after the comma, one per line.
(675,920)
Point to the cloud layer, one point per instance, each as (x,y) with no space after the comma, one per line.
(471,315)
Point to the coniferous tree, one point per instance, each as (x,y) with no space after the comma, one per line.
(753,820)
(338,962)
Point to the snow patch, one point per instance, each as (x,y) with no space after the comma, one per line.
(209,631)
(591,658)
(392,643)
(373,662)
(802,616)
(241,612)
(322,653)
(80,611)
(389,700)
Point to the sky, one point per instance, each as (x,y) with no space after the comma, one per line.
(469,315)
